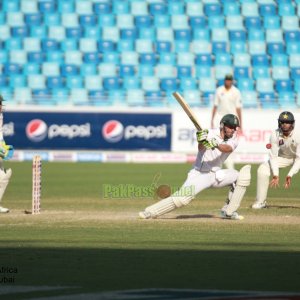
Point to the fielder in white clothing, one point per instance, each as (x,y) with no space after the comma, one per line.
(284,152)
(227,100)
(5,151)
(214,146)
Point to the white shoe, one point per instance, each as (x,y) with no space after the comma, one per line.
(4,210)
(144,215)
(258,205)
(234,216)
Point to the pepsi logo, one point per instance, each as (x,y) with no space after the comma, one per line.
(36,130)
(112,131)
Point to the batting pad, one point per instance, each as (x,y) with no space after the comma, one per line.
(160,208)
(242,182)
(4,180)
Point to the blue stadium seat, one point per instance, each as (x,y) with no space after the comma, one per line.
(203,60)
(52,19)
(268,9)
(164,34)
(38,31)
(235,22)
(268,100)
(143,21)
(3,80)
(241,72)
(49,45)
(11,68)
(201,47)
(145,70)
(219,47)
(184,71)
(256,35)
(197,22)
(188,83)
(260,60)
(231,8)
(203,71)
(31,69)
(154,98)
(50,69)
(249,9)
(126,71)
(286,9)
(36,57)
(216,22)
(31,44)
(157,8)
(120,7)
(291,36)
(131,83)
(256,48)
(149,58)
(290,23)
(249,99)
(242,60)
(207,85)
(162,21)
(55,82)
(194,8)
(165,71)
(17,81)
(295,73)
(135,98)
(55,56)
(100,98)
(275,48)
(46,6)
(286,100)
(88,69)
(11,5)
(166,58)
(111,57)
(223,59)
(91,58)
(185,59)
(143,46)
(42,96)
(74,32)
(265,85)
(125,45)
(163,46)
(111,83)
(175,8)
(274,36)
(297,86)
(237,35)
(36,81)
(69,70)
(183,34)
(107,20)
(245,84)
(202,34)
(106,46)
(74,82)
(253,22)
(283,85)
(147,33)
(34,19)
(139,8)
(65,6)
(101,8)
(212,9)
(128,33)
(238,47)
(280,73)
(271,22)
(79,96)
(293,48)
(93,82)
(182,46)
(221,71)
(220,35)
(169,84)
(260,72)
(150,83)
(13,44)
(3,56)
(279,60)
(179,22)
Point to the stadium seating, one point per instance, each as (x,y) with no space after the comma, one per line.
(135,53)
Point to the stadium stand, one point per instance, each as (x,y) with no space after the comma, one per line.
(109,51)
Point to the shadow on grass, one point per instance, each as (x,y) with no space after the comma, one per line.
(198,216)
(117,269)
(283,206)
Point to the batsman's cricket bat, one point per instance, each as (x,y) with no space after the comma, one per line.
(187,110)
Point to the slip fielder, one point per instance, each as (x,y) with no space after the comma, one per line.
(214,146)
(284,151)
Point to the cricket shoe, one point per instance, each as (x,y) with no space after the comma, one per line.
(144,215)
(3,210)
(259,205)
(234,216)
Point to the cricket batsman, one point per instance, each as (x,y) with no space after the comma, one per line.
(6,151)
(284,151)
(214,146)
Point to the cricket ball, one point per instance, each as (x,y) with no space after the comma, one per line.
(163,191)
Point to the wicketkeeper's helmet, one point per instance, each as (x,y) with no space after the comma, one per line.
(230,120)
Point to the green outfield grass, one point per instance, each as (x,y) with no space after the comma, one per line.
(86,242)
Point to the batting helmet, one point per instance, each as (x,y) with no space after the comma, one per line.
(230,120)
(286,117)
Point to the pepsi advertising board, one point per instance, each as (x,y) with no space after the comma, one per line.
(89,131)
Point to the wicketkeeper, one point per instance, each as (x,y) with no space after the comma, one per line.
(214,146)
(284,152)
(6,152)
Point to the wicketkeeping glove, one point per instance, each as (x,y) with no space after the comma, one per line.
(6,151)
(211,144)
(202,135)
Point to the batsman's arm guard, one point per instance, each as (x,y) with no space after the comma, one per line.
(243,180)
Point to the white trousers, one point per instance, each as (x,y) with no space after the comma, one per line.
(263,177)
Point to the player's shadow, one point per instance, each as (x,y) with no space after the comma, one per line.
(198,216)
(283,206)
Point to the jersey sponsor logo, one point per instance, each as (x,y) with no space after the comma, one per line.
(114,131)
(36,130)
(281,142)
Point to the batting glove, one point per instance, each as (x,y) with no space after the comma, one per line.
(202,135)
(211,144)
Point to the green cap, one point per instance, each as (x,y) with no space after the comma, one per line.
(228,77)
